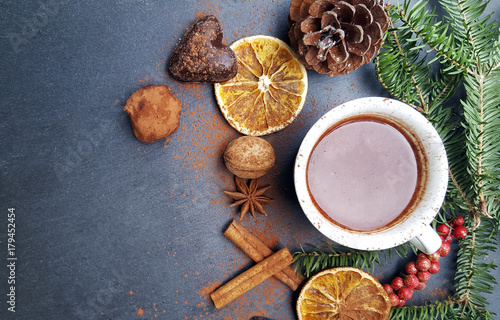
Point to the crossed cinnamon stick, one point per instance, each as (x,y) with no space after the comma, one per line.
(268,264)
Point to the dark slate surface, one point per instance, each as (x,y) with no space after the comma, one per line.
(108,227)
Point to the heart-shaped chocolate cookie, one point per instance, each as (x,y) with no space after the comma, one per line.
(201,56)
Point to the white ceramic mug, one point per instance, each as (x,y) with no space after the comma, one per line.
(414,225)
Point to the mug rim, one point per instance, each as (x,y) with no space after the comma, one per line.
(433,195)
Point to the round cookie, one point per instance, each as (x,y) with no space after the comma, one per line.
(154,112)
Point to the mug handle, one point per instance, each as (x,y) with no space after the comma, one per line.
(428,242)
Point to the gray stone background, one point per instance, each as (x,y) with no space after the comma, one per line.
(108,227)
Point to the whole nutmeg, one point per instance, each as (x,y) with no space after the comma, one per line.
(249,157)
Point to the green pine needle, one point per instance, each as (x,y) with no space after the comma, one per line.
(425,59)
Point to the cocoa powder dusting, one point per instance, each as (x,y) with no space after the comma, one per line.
(196,151)
(436,293)
(197,148)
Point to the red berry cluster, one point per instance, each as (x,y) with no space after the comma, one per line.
(417,273)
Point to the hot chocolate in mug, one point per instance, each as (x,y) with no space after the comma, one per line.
(372,174)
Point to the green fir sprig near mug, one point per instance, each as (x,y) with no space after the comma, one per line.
(426,61)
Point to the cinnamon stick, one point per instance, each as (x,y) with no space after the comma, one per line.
(251,278)
(257,251)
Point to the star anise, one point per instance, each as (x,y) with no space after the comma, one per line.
(249,197)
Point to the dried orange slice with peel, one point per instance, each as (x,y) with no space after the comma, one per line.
(343,293)
(269,90)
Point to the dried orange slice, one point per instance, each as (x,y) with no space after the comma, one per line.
(269,90)
(343,293)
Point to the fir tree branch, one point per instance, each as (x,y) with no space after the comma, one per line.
(495,67)
(427,38)
(479,169)
(461,192)
(320,259)
(472,273)
(428,33)
(466,51)
(481,114)
(474,185)
(467,27)
(401,53)
(445,310)
(442,94)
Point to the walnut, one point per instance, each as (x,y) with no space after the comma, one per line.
(249,157)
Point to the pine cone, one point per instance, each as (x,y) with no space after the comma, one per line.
(335,37)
